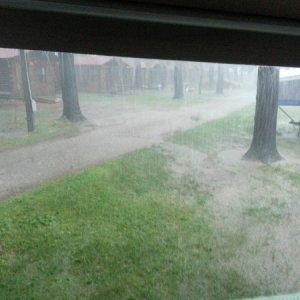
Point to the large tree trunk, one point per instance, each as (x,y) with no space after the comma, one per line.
(220,80)
(178,82)
(27,92)
(71,108)
(263,146)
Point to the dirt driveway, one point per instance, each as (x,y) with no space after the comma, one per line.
(120,130)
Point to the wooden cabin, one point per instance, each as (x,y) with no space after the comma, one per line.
(158,76)
(43,75)
(150,74)
(103,74)
(140,75)
(10,74)
(43,69)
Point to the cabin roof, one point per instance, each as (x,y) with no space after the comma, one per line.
(91,60)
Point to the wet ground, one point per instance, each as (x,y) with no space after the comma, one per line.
(120,129)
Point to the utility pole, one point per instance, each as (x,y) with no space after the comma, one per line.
(27,92)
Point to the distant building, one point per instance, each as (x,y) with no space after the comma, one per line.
(43,68)
(43,74)
(151,74)
(10,74)
(103,74)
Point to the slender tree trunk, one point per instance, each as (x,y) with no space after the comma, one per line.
(27,92)
(121,77)
(138,81)
(235,74)
(200,79)
(241,78)
(178,82)
(220,80)
(263,146)
(211,71)
(115,77)
(164,77)
(71,108)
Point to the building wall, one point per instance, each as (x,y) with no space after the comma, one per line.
(43,76)
(112,77)
(15,78)
(157,78)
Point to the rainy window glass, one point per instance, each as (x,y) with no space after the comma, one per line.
(129,178)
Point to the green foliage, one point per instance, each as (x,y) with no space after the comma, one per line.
(212,137)
(235,131)
(147,98)
(139,98)
(13,132)
(112,232)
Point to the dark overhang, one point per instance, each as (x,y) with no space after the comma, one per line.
(246,32)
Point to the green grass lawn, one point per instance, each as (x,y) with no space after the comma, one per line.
(13,127)
(136,98)
(113,232)
(43,132)
(235,131)
(119,231)
(259,197)
(149,98)
(212,137)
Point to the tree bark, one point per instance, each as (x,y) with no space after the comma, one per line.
(138,82)
(220,80)
(178,82)
(71,108)
(115,77)
(235,74)
(27,92)
(164,78)
(263,146)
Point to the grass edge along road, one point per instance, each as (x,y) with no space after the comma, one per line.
(111,232)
